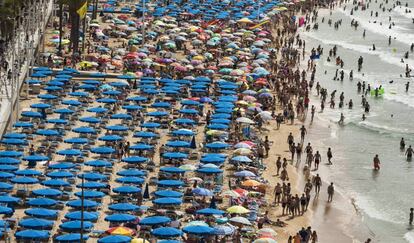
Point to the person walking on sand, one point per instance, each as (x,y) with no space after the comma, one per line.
(331,191)
(278,165)
(377,162)
(411,216)
(329,155)
(302,133)
(318,182)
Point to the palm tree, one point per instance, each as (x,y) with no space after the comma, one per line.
(73,6)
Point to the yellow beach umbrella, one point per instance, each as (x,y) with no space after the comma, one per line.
(251,183)
(242,151)
(245,20)
(238,209)
(121,231)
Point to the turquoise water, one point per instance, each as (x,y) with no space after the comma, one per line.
(383,197)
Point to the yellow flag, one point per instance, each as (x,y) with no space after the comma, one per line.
(82,10)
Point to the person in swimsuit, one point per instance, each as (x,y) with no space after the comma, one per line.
(409,153)
(376,162)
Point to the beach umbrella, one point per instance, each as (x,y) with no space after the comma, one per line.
(251,183)
(78,94)
(90,119)
(90,194)
(62,166)
(132,107)
(118,128)
(183,132)
(76,140)
(32,234)
(172,170)
(130,180)
(120,218)
(86,203)
(131,172)
(121,116)
(127,190)
(24,180)
(32,114)
(207,170)
(184,121)
(72,237)
(217,145)
(47,192)
(76,225)
(92,185)
(41,212)
(145,134)
(6,175)
(5,186)
(97,109)
(120,230)
(224,230)
(64,111)
(154,220)
(150,125)
(174,155)
(55,183)
(161,105)
(198,230)
(58,121)
(77,215)
(15,135)
(237,209)
(202,192)
(13,141)
(92,176)
(125,207)
(245,120)
(110,138)
(84,130)
(35,158)
(166,232)
(42,202)
(34,223)
(267,232)
(141,146)
(167,201)
(8,199)
(47,96)
(98,163)
(69,152)
(178,144)
(210,211)
(102,150)
(60,174)
(240,220)
(115,239)
(170,183)
(244,173)
(168,193)
(71,102)
(27,172)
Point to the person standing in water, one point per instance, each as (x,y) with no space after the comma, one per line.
(411,216)
(409,153)
(331,191)
(402,144)
(329,155)
(376,162)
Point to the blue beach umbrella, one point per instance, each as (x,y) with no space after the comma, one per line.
(131,172)
(167,201)
(110,138)
(35,158)
(202,192)
(23,124)
(90,119)
(91,185)
(69,152)
(102,150)
(84,130)
(13,141)
(60,174)
(11,153)
(47,192)
(144,134)
(92,176)
(24,180)
(174,155)
(141,146)
(77,225)
(8,199)
(170,183)
(15,135)
(166,232)
(77,215)
(58,121)
(32,234)
(86,203)
(123,207)
(210,170)
(172,170)
(97,110)
(42,202)
(117,128)
(48,132)
(150,125)
(6,175)
(115,239)
(210,211)
(183,132)
(27,172)
(178,144)
(134,159)
(41,212)
(126,190)
(72,237)
(98,163)
(55,183)
(130,180)
(168,193)
(154,220)
(198,230)
(76,140)
(5,186)
(62,166)
(34,223)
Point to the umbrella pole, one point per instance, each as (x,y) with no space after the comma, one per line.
(82,208)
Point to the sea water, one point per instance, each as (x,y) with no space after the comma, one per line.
(385,197)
